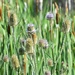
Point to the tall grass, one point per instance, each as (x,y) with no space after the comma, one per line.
(21,56)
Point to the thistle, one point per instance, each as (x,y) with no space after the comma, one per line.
(5,58)
(47,73)
(30,29)
(49,17)
(43,43)
(15,61)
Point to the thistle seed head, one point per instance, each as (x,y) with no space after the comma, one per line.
(31,28)
(43,43)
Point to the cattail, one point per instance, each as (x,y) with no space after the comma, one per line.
(8,30)
(47,73)
(15,61)
(43,43)
(0,13)
(66,26)
(24,63)
(12,18)
(36,3)
(5,58)
(29,45)
(21,51)
(34,38)
(57,18)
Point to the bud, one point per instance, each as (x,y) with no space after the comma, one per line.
(29,45)
(50,62)
(43,43)
(31,28)
(21,51)
(12,18)
(15,61)
(5,58)
(49,15)
(47,73)
(22,41)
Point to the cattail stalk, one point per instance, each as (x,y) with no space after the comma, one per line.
(24,63)
(69,55)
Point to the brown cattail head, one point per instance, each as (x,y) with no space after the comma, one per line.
(0,13)
(36,2)
(43,43)
(24,63)
(8,30)
(57,18)
(15,61)
(47,73)
(5,58)
(29,45)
